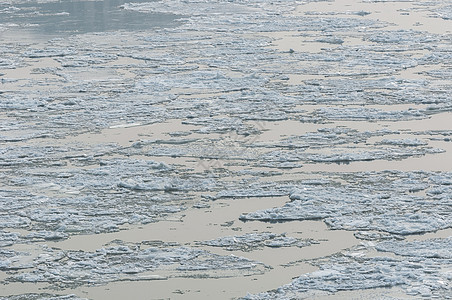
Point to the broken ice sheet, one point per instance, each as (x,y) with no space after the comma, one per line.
(96,199)
(378,154)
(368,114)
(55,218)
(401,37)
(431,248)
(251,192)
(322,138)
(158,87)
(49,52)
(218,72)
(42,296)
(404,223)
(376,236)
(444,11)
(253,241)
(400,212)
(130,262)
(345,145)
(15,260)
(8,238)
(419,277)
(222,125)
(83,60)
(403,142)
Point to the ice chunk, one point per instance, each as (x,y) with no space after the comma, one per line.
(128,262)
(253,241)
(431,248)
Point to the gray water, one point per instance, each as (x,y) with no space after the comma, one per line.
(57,19)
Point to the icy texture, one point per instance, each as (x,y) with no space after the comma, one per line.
(92,200)
(43,296)
(368,208)
(8,238)
(252,241)
(348,273)
(349,145)
(436,248)
(387,154)
(404,142)
(221,78)
(376,236)
(423,271)
(368,114)
(123,262)
(444,11)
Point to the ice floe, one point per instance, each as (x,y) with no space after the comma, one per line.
(42,296)
(342,273)
(253,241)
(400,213)
(124,262)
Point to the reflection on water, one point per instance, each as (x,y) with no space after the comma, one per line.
(76,16)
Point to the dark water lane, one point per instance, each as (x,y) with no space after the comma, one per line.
(59,19)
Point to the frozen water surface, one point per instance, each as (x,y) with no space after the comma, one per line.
(248,242)
(253,148)
(117,263)
(44,296)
